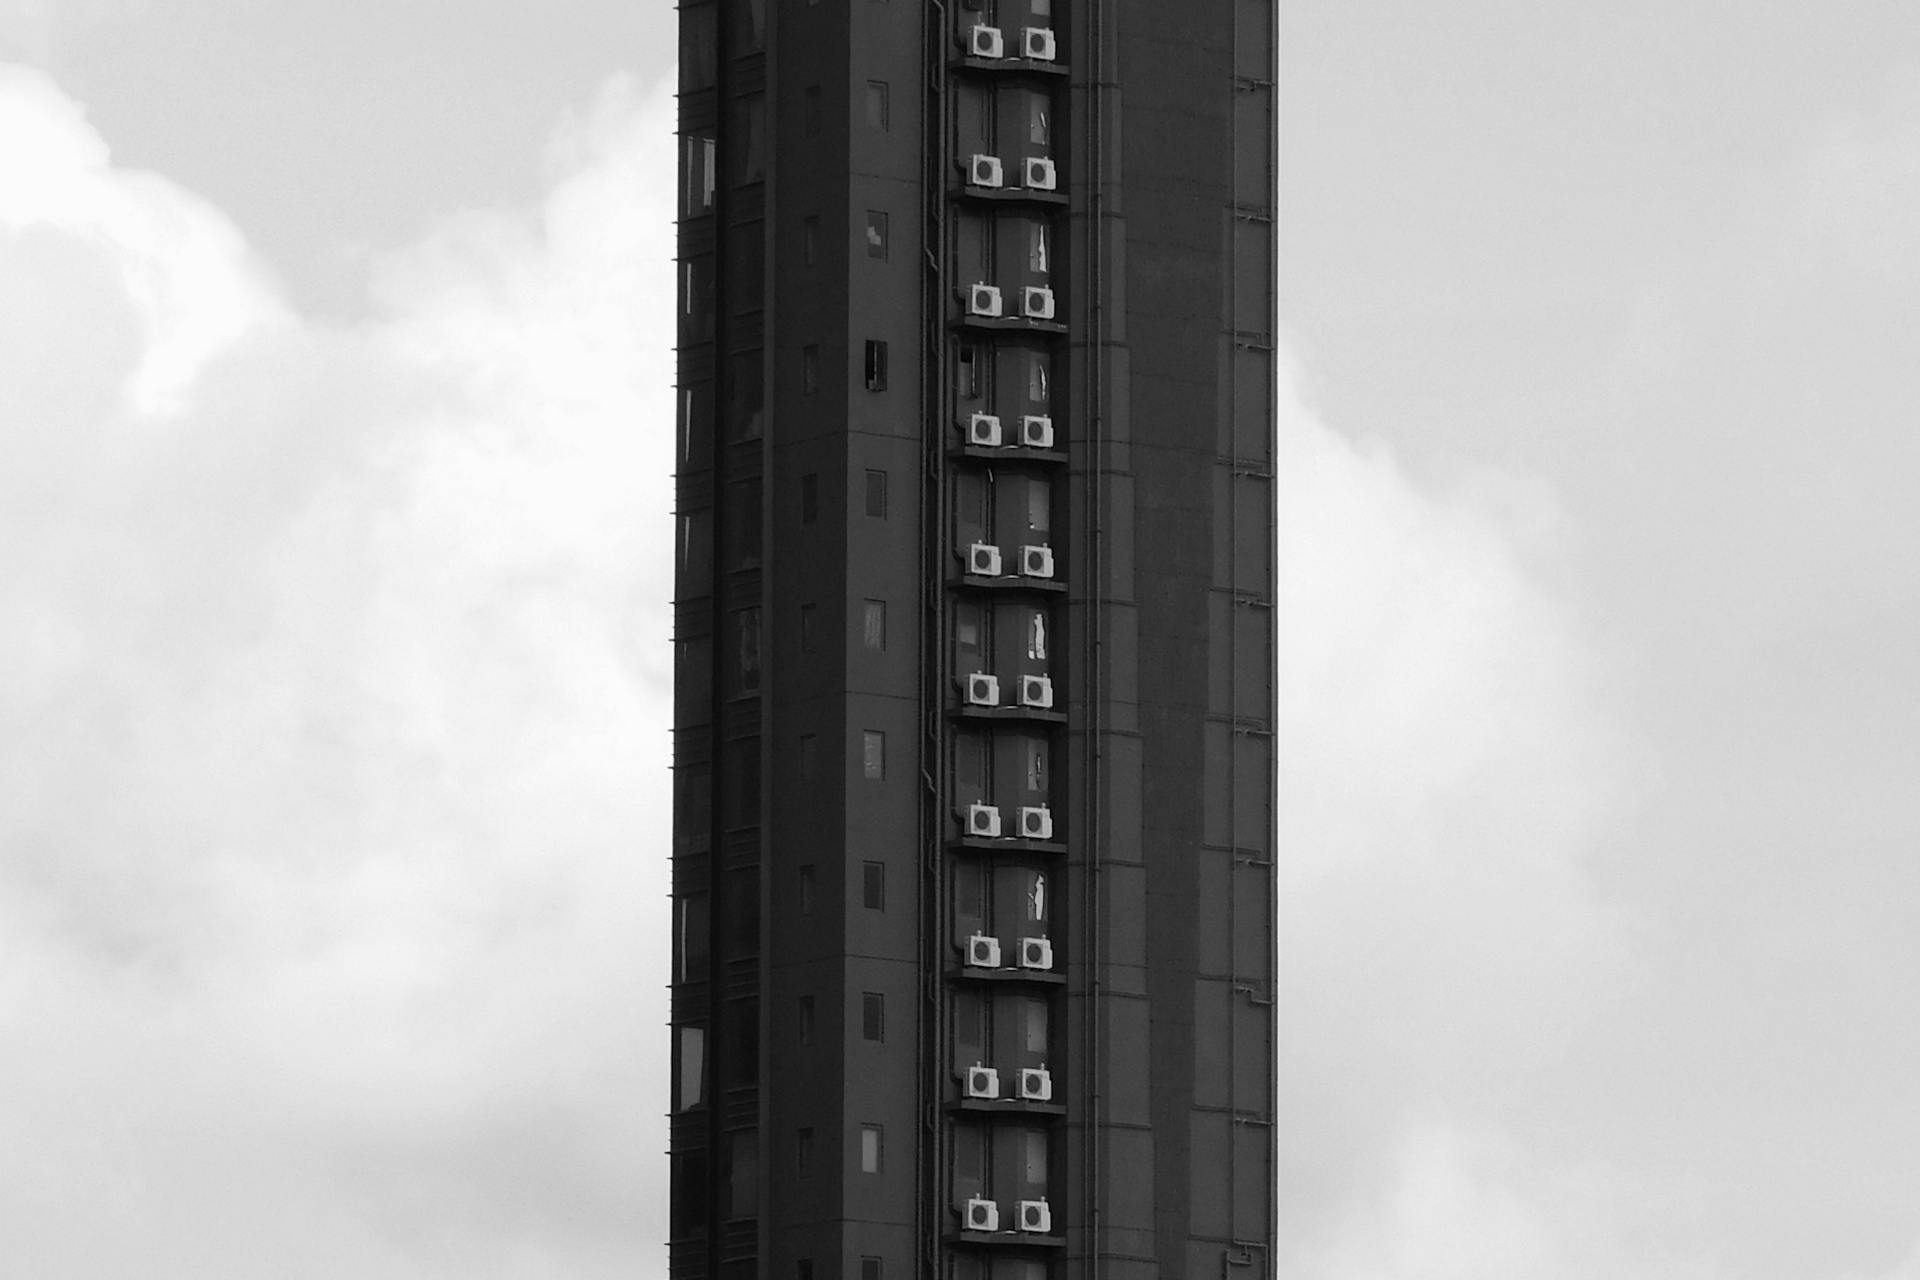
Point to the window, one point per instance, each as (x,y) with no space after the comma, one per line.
(746,395)
(809,756)
(809,498)
(746,623)
(1034,1024)
(693,1068)
(1037,249)
(1039,506)
(874,885)
(1037,636)
(809,370)
(877,105)
(877,495)
(749,133)
(1036,899)
(968,382)
(873,754)
(1038,131)
(803,1267)
(869,1148)
(743,1174)
(810,110)
(806,1027)
(869,1269)
(743,523)
(874,625)
(806,890)
(699,48)
(1037,767)
(749,24)
(876,234)
(747,267)
(1037,380)
(876,365)
(809,240)
(699,158)
(873,1016)
(807,628)
(690,938)
(803,1163)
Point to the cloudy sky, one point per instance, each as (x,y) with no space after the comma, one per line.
(333,377)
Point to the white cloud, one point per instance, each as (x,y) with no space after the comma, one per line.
(340,678)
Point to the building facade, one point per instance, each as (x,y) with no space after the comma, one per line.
(973,834)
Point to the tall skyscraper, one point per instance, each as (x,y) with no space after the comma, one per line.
(973,836)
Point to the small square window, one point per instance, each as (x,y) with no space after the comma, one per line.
(877,494)
(875,625)
(876,234)
(870,1148)
(873,1016)
(809,498)
(869,1269)
(809,240)
(876,365)
(873,754)
(809,370)
(810,110)
(877,105)
(874,885)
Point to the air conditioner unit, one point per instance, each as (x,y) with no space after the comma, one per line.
(1036,562)
(1036,302)
(983,300)
(1036,1084)
(1036,822)
(1037,42)
(984,429)
(1036,431)
(984,1082)
(1035,1216)
(985,42)
(984,171)
(1036,691)
(983,951)
(982,1215)
(983,820)
(1039,174)
(983,560)
(1035,953)
(982,690)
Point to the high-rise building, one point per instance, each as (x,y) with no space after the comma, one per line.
(973,833)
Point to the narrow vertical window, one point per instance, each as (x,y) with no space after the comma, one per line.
(809,240)
(869,1269)
(809,498)
(749,135)
(876,234)
(877,105)
(968,381)
(1038,131)
(693,1067)
(1037,767)
(876,365)
(803,1267)
(806,1021)
(874,885)
(874,625)
(1039,506)
(809,369)
(747,624)
(1037,380)
(810,110)
(809,756)
(806,890)
(1037,249)
(873,754)
(870,1148)
(803,1161)
(873,1016)
(877,494)
(743,1174)
(808,620)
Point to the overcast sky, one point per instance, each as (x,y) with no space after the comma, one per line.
(334,558)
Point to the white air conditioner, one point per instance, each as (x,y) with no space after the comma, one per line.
(1036,431)
(1036,822)
(1038,174)
(1037,42)
(982,1215)
(984,1082)
(984,429)
(984,171)
(1036,302)
(1036,691)
(1035,1216)
(1036,562)
(1035,953)
(983,560)
(985,42)
(983,300)
(983,951)
(1036,1084)
(983,820)
(982,690)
